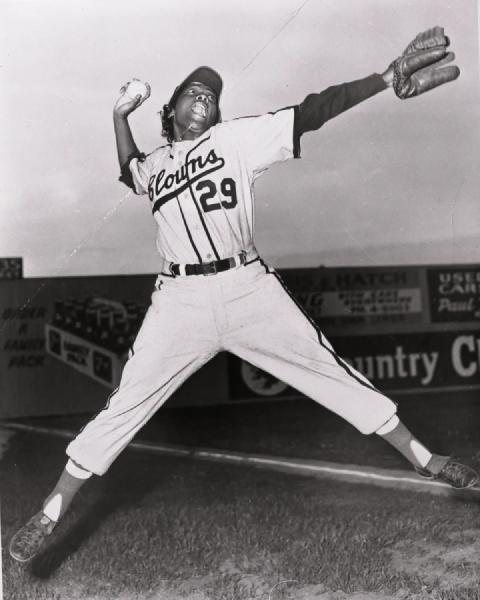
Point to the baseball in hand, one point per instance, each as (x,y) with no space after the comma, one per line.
(136,88)
(132,90)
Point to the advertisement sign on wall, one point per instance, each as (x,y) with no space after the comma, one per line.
(394,364)
(377,297)
(11,268)
(93,361)
(454,294)
(64,342)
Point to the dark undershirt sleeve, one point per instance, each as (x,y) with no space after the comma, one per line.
(317,109)
(125,173)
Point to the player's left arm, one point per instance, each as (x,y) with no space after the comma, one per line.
(267,139)
(422,66)
(317,109)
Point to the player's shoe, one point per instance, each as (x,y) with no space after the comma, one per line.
(454,473)
(28,540)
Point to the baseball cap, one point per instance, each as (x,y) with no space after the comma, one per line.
(204,75)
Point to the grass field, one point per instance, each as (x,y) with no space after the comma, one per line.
(157,528)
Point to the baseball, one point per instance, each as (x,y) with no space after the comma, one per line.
(136,88)
(132,89)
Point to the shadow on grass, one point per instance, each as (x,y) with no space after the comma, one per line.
(116,494)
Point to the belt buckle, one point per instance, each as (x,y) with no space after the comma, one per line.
(209,268)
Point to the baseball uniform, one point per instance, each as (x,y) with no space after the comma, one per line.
(214,292)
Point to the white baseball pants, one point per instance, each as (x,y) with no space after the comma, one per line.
(245,311)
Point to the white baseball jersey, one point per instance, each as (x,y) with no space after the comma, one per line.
(201,191)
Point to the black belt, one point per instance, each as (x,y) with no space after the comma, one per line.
(210,268)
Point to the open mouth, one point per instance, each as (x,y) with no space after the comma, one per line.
(199,109)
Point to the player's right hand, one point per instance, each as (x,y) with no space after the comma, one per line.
(124,106)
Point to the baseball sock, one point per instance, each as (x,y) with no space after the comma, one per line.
(396,434)
(71,480)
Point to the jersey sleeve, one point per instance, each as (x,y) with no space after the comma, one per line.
(136,172)
(264,140)
(317,109)
(140,169)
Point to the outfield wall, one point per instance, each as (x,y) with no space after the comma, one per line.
(407,328)
(49,365)
(64,340)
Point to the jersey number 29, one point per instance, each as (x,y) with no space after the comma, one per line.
(208,198)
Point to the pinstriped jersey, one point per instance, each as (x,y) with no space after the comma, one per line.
(201,191)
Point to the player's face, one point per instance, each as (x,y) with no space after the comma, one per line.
(196,110)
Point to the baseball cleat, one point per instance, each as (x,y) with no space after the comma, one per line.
(456,474)
(28,540)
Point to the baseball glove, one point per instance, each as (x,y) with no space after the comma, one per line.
(431,38)
(423,70)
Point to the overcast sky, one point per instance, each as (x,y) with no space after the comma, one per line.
(389,182)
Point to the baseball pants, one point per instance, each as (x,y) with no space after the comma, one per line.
(246,311)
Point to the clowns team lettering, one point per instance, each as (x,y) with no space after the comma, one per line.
(163,187)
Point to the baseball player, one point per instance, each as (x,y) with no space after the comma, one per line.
(214,292)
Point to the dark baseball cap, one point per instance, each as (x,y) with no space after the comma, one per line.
(204,75)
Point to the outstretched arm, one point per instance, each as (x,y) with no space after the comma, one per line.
(422,66)
(316,109)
